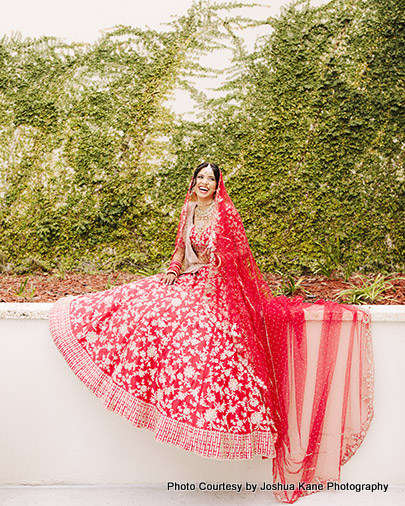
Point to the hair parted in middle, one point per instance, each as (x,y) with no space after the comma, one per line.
(213,166)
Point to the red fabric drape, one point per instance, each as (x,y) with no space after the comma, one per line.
(315,360)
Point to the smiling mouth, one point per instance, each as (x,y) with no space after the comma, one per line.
(203,189)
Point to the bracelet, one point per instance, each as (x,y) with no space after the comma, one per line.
(217,262)
(174,267)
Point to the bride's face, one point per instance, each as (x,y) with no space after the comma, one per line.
(206,184)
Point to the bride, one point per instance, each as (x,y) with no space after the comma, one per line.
(206,358)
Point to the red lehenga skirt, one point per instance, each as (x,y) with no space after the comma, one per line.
(152,355)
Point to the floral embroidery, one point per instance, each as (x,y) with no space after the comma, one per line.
(156,342)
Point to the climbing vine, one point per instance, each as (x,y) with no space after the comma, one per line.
(307,127)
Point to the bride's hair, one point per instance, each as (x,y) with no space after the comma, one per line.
(215,170)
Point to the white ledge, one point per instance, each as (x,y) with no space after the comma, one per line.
(40,311)
(28,310)
(67,425)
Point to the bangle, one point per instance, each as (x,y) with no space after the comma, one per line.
(216,260)
(174,267)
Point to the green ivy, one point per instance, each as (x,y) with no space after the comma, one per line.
(307,127)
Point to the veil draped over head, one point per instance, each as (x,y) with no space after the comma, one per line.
(315,360)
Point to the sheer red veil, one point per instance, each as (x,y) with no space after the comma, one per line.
(314,359)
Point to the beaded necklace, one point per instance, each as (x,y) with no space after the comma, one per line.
(202,218)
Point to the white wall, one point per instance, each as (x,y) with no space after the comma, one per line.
(55,431)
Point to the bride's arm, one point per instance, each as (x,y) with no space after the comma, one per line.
(175,265)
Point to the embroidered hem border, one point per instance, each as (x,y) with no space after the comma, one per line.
(210,444)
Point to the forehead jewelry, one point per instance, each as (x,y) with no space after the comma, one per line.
(204,168)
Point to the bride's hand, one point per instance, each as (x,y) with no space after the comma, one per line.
(206,255)
(169,278)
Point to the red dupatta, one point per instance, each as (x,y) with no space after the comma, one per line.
(315,359)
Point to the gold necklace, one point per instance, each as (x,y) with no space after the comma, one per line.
(201,212)
(203,219)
